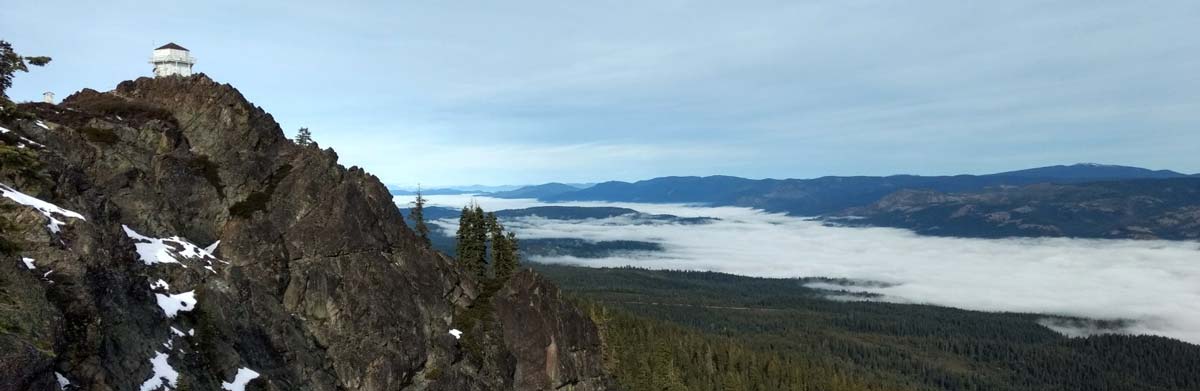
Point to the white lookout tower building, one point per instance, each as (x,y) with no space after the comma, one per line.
(172,59)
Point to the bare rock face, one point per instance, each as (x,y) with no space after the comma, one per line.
(554,343)
(28,328)
(316,283)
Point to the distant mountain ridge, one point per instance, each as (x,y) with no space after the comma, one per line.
(454,190)
(1093,171)
(537,191)
(831,194)
(1166,208)
(429,192)
(1079,200)
(531,191)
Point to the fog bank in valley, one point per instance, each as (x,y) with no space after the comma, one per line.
(1153,284)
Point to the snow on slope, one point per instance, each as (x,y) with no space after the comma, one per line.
(47,209)
(170,250)
(243,376)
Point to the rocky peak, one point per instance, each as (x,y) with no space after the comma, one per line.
(276,261)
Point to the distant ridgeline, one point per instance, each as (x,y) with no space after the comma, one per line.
(1081,200)
(1138,209)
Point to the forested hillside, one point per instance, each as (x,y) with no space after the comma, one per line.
(831,194)
(1131,209)
(710,331)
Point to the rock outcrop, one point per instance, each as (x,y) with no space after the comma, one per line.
(210,251)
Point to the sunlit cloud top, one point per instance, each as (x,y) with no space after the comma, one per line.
(1151,284)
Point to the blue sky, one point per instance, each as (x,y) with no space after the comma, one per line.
(465,92)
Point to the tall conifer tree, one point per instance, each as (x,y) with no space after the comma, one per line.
(462,239)
(418,216)
(505,256)
(304,137)
(478,241)
(480,238)
(471,247)
(500,250)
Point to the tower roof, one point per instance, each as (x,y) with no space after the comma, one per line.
(171,45)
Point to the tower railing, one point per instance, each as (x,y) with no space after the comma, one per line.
(184,58)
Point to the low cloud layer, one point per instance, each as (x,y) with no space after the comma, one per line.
(1154,284)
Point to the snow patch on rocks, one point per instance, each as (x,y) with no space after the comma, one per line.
(164,377)
(47,209)
(212,248)
(168,250)
(243,376)
(63,383)
(173,304)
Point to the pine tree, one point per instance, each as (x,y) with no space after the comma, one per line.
(504,250)
(478,239)
(417,213)
(495,238)
(471,238)
(494,229)
(462,240)
(608,348)
(304,137)
(11,62)
(507,263)
(666,374)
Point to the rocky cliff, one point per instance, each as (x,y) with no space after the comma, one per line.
(175,239)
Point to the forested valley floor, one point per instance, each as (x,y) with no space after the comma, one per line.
(677,330)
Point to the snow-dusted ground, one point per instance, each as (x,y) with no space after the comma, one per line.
(62,381)
(163,376)
(243,376)
(52,213)
(47,209)
(151,251)
(173,304)
(1154,283)
(169,250)
(156,252)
